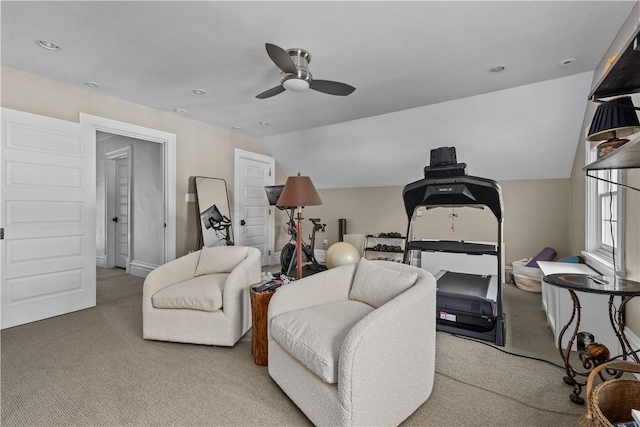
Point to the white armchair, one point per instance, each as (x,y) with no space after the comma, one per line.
(202,297)
(355,345)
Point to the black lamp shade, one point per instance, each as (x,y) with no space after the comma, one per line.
(613,119)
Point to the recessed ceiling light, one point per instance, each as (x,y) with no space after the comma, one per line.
(264,123)
(180,110)
(497,69)
(566,62)
(45,44)
(199,91)
(91,84)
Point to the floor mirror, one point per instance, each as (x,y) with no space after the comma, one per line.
(213,207)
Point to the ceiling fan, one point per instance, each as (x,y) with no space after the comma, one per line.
(295,75)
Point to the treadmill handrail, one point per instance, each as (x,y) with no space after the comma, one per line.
(452,246)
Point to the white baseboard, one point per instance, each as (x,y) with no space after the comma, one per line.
(101,261)
(634,340)
(140,268)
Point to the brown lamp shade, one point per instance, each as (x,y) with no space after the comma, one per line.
(299,191)
(613,119)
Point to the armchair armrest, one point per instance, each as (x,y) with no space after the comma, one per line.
(322,288)
(399,333)
(170,273)
(235,297)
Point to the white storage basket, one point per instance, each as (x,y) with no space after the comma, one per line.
(527,278)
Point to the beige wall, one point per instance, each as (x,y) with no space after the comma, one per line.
(201,149)
(536,215)
(632,212)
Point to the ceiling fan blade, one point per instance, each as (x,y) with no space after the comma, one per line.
(281,58)
(332,88)
(271,92)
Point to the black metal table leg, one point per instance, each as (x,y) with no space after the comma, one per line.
(617,323)
(570,378)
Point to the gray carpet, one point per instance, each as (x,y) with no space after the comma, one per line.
(92,367)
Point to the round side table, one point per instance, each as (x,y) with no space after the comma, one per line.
(259,309)
(614,287)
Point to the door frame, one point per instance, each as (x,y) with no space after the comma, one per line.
(248,155)
(110,199)
(92,124)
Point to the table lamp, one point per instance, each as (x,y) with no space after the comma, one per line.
(299,191)
(613,119)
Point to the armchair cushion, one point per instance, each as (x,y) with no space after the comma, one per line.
(314,335)
(202,293)
(220,259)
(375,285)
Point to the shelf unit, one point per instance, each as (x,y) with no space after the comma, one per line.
(371,241)
(625,157)
(617,74)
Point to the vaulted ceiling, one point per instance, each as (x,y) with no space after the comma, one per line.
(420,68)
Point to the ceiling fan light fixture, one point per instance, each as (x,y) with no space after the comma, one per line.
(296,85)
(295,75)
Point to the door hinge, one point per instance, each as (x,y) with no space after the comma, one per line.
(269,211)
(165,225)
(269,252)
(1,233)
(269,171)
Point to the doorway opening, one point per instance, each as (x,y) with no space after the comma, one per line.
(144,230)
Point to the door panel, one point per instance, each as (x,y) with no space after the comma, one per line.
(254,207)
(47,204)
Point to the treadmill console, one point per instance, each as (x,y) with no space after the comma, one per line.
(444,164)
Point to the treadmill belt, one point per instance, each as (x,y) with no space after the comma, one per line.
(465,284)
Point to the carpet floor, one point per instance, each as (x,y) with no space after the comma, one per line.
(92,368)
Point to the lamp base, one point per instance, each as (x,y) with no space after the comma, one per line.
(610,145)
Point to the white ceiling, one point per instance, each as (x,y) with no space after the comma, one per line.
(398,55)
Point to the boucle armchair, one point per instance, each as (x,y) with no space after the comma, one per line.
(355,345)
(202,297)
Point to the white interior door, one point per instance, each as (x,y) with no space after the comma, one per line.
(47,213)
(118,208)
(254,216)
(122,211)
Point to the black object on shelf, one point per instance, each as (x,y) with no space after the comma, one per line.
(617,72)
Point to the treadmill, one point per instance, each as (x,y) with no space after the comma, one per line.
(468,303)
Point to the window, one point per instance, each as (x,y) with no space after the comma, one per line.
(605,219)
